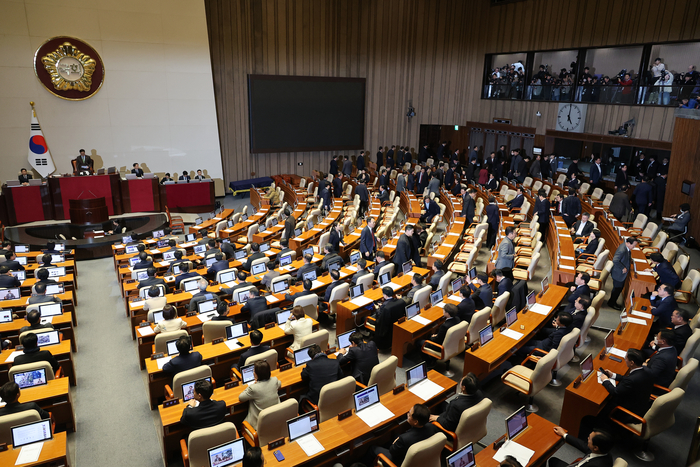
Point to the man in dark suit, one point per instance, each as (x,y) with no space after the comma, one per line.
(596,173)
(334,166)
(542,209)
(185,360)
(33,353)
(338,186)
(596,448)
(468,206)
(143,262)
(335,277)
(562,325)
(319,371)
(336,237)
(201,411)
(644,196)
(380,156)
(466,308)
(571,208)
(325,196)
(289,223)
(421,181)
(493,219)
(24,177)
(185,176)
(380,263)
(220,265)
(255,248)
(662,364)
(579,289)
(9,392)
(483,294)
(222,310)
(255,304)
(591,244)
(383,195)
(225,247)
(404,248)
(185,274)
(202,295)
(469,396)
(361,191)
(389,159)
(431,210)
(11,263)
(437,274)
(330,256)
(34,320)
(517,202)
(361,271)
(241,282)
(450,313)
(360,161)
(581,229)
(681,329)
(39,296)
(662,305)
(421,429)
(307,284)
(505,284)
(621,179)
(389,312)
(7,280)
(306,267)
(42,276)
(83,163)
(362,357)
(347,166)
(138,171)
(256,348)
(368,241)
(152,280)
(666,273)
(621,266)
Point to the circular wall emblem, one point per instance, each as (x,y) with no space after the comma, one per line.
(69,68)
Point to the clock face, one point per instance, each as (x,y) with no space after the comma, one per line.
(570,117)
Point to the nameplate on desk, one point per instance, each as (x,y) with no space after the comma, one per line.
(143,324)
(231,384)
(124,266)
(3,447)
(399,388)
(218,340)
(401,320)
(214,283)
(275,444)
(331,350)
(130,281)
(285,367)
(158,355)
(178,292)
(344,415)
(170,403)
(191,313)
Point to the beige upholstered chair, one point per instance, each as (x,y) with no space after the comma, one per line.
(452,346)
(565,353)
(682,378)
(658,418)
(585,327)
(310,305)
(270,356)
(620,462)
(338,294)
(35,331)
(161,340)
(423,454)
(384,375)
(498,311)
(478,322)
(189,279)
(691,346)
(687,290)
(252,230)
(318,337)
(19,418)
(529,273)
(214,329)
(530,382)
(194,451)
(272,423)
(422,296)
(444,283)
(472,426)
(384,269)
(42,365)
(187,376)
(335,398)
(367,280)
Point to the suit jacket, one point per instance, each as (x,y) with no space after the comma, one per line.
(581,445)
(432,210)
(319,372)
(208,413)
(255,305)
(434,186)
(38,355)
(398,450)
(632,391)
(492,216)
(251,258)
(621,179)
(184,177)
(681,335)
(325,195)
(483,296)
(449,419)
(542,209)
(667,275)
(663,309)
(218,266)
(7,282)
(571,207)
(362,358)
(663,366)
(304,269)
(435,279)
(35,299)
(620,205)
(383,196)
(506,285)
(400,183)
(262,394)
(329,289)
(492,185)
(361,191)
(389,312)
(466,309)
(404,251)
(681,221)
(596,174)
(184,276)
(347,167)
(12,265)
(143,265)
(183,363)
(552,341)
(137,172)
(292,297)
(581,291)
(334,167)
(643,194)
(17,407)
(83,163)
(410,182)
(442,330)
(289,228)
(251,352)
(517,201)
(24,178)
(421,179)
(591,247)
(337,187)
(468,209)
(587,229)
(150,281)
(360,162)
(34,327)
(621,260)
(579,317)
(506,254)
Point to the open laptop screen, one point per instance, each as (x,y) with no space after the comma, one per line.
(158,233)
(416,374)
(264,247)
(511,316)
(258,268)
(280,286)
(190,237)
(127,239)
(19,275)
(357,290)
(134,260)
(485,335)
(237,330)
(302,425)
(225,277)
(297,232)
(226,454)
(157,316)
(205,306)
(545,284)
(5,316)
(308,251)
(366,397)
(412,310)
(172,347)
(21,248)
(239,254)
(50,309)
(311,275)
(29,379)
(131,249)
(57,272)
(141,275)
(209,261)
(47,338)
(516,423)
(406,267)
(200,249)
(22,260)
(31,433)
(586,367)
(354,257)
(301,356)
(285,260)
(531,299)
(609,341)
(344,340)
(462,458)
(248,373)
(9,294)
(384,279)
(191,286)
(472,274)
(188,389)
(436,297)
(283,316)
(456,285)
(168,256)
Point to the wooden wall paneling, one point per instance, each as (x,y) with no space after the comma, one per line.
(683,166)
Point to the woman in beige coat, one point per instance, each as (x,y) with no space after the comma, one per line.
(262,393)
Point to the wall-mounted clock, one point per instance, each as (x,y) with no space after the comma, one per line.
(571,117)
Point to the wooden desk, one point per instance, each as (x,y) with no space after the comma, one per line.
(211,223)
(302,241)
(53,397)
(53,453)
(62,353)
(351,436)
(590,397)
(241,229)
(562,252)
(539,436)
(62,323)
(408,332)
(484,360)
(21,305)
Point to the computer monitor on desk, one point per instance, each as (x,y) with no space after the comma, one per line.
(302,356)
(57,271)
(141,275)
(412,310)
(248,373)
(21,248)
(31,378)
(344,339)
(545,284)
(531,299)
(131,249)
(19,275)
(258,269)
(609,341)
(406,267)
(436,297)
(311,275)
(456,285)
(50,309)
(472,274)
(302,425)
(356,291)
(229,453)
(191,286)
(190,237)
(280,286)
(237,330)
(516,423)
(354,257)
(416,374)
(384,279)
(240,254)
(5,316)
(282,316)
(485,335)
(285,260)
(366,398)
(307,251)
(47,338)
(586,367)
(511,316)
(205,306)
(31,433)
(463,457)
(188,388)
(171,346)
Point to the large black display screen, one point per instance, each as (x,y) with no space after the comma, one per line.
(305,113)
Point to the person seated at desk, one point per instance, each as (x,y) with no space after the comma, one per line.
(115,226)
(154,301)
(7,280)
(202,411)
(45,260)
(271,273)
(171,322)
(562,326)
(582,228)
(573,182)
(9,393)
(361,355)
(185,176)
(212,248)
(33,353)
(437,274)
(222,310)
(665,272)
(330,257)
(143,263)
(306,267)
(307,284)
(492,183)
(380,262)
(152,280)
(34,320)
(596,448)
(416,285)
(166,178)
(298,325)
(253,457)
(200,175)
(468,397)
(335,282)
(421,429)
(389,312)
(482,293)
(255,248)
(83,163)
(24,177)
(255,304)
(262,393)
(137,170)
(579,289)
(466,308)
(591,245)
(202,295)
(505,284)
(225,247)
(256,347)
(39,296)
(220,265)
(185,273)
(42,276)
(430,210)
(11,263)
(185,360)
(318,372)
(663,303)
(681,329)
(241,282)
(680,221)
(51,248)
(176,262)
(361,270)
(662,364)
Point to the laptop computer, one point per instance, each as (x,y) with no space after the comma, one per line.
(280,286)
(545,284)
(384,279)
(229,224)
(311,275)
(297,232)
(191,286)
(133,261)
(163,243)
(259,268)
(190,237)
(456,285)
(416,374)
(5,316)
(516,423)
(472,274)
(285,260)
(248,373)
(200,249)
(412,310)
(60,247)
(531,299)
(609,341)
(131,249)
(169,256)
(244,217)
(485,335)
(464,457)
(206,306)
(356,291)
(586,367)
(21,260)
(198,221)
(30,379)
(226,277)
(19,275)
(50,309)
(264,247)
(243,296)
(176,269)
(282,316)
(309,225)
(436,297)
(344,339)
(58,259)
(302,425)
(239,254)
(209,261)
(158,233)
(308,251)
(141,275)
(21,248)
(57,271)
(30,433)
(188,388)
(10,294)
(406,267)
(158,316)
(301,356)
(172,347)
(127,239)
(511,316)
(237,330)
(334,266)
(354,257)
(226,454)
(47,338)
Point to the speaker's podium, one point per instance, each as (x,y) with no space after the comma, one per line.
(88,211)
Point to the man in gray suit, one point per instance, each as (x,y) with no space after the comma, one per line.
(434,185)
(401,182)
(506,250)
(347,166)
(621,267)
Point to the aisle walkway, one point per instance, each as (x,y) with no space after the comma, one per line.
(114,422)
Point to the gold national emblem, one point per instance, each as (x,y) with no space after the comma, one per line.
(69,68)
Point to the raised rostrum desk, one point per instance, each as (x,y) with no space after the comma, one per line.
(342,439)
(484,360)
(62,353)
(53,454)
(53,397)
(590,397)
